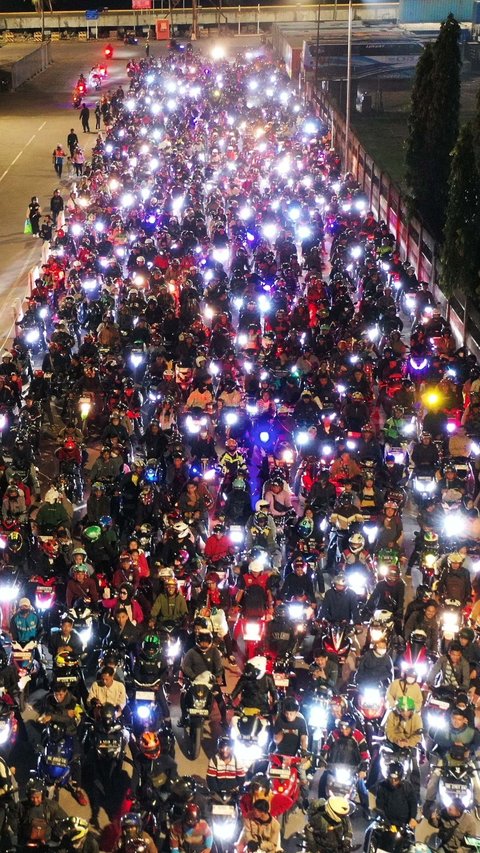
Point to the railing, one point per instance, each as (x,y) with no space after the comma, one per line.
(412,236)
(233,15)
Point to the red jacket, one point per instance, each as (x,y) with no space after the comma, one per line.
(217,549)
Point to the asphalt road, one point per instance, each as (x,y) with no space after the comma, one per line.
(32,121)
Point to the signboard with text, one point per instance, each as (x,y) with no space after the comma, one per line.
(141,4)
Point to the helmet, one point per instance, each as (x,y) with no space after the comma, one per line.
(347,720)
(336,808)
(191,814)
(150,745)
(256,566)
(466,634)
(405,703)
(132,820)
(92,533)
(181,529)
(239,483)
(35,785)
(204,639)
(151,646)
(260,519)
(339,580)
(212,577)
(455,557)
(395,770)
(224,743)
(105,521)
(356,542)
(75,828)
(281,611)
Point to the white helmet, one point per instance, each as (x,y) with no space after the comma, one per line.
(356,542)
(257,565)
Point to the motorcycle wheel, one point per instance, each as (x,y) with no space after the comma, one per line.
(195,741)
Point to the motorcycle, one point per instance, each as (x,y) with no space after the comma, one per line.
(456,783)
(225,822)
(337,640)
(316,711)
(283,774)
(198,704)
(54,764)
(385,837)
(27,666)
(250,732)
(450,621)
(416,655)
(370,702)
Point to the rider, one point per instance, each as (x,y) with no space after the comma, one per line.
(191,832)
(204,657)
(225,773)
(256,687)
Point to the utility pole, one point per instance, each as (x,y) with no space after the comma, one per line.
(317,48)
(194,19)
(349,81)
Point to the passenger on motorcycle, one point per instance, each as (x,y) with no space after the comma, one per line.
(260,830)
(204,657)
(280,637)
(323,670)
(346,745)
(425,619)
(405,685)
(340,603)
(328,828)
(298,585)
(225,772)
(256,688)
(396,799)
(424,453)
(375,666)
(25,624)
(291,738)
(457,755)
(169,605)
(218,545)
(404,729)
(37,812)
(454,581)
(451,669)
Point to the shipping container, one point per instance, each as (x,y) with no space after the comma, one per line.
(434,11)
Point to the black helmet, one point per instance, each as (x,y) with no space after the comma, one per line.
(281,611)
(224,743)
(108,715)
(347,720)
(35,785)
(260,782)
(395,770)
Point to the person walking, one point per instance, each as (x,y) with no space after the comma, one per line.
(33,214)
(98,115)
(57,208)
(78,161)
(72,141)
(85,118)
(58,157)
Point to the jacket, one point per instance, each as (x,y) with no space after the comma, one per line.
(398,804)
(266,835)
(444,673)
(166,607)
(399,688)
(88,589)
(397,729)
(352,750)
(324,836)
(374,670)
(195,662)
(340,606)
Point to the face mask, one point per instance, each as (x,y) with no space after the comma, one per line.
(380,653)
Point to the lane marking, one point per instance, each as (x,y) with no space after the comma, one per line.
(21,152)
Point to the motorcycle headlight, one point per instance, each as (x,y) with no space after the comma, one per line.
(436,721)
(143,712)
(199,703)
(85,635)
(237,536)
(357,582)
(317,717)
(343,775)
(231,418)
(302,438)
(371,696)
(224,831)
(4,735)
(450,622)
(263,737)
(8,593)
(295,611)
(32,336)
(136,359)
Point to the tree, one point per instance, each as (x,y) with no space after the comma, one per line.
(417,157)
(461,252)
(433,125)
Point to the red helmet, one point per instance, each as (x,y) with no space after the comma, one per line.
(150,745)
(191,814)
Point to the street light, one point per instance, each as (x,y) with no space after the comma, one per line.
(349,80)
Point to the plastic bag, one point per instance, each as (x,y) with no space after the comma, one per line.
(27,228)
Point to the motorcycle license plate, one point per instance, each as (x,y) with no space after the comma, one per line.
(279,773)
(58,762)
(198,712)
(281,680)
(456,787)
(45,589)
(66,679)
(145,696)
(223,809)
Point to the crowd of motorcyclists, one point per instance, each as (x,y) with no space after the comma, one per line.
(261,505)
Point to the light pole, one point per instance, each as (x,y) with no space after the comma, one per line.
(349,80)
(317,48)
